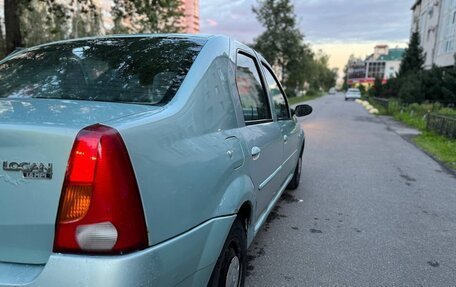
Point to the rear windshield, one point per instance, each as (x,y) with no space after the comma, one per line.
(132,70)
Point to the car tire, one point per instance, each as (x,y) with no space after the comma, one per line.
(294,183)
(231,266)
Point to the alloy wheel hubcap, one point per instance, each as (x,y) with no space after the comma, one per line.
(233,274)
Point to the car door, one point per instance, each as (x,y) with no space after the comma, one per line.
(261,133)
(289,127)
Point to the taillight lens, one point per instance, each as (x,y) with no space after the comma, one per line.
(100,207)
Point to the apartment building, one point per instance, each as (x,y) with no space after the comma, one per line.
(383,64)
(435,20)
(191,20)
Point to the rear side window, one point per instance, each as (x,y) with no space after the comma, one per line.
(145,70)
(254,100)
(278,98)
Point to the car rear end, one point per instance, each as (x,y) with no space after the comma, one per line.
(71,212)
(353,94)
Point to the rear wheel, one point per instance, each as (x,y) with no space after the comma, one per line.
(294,183)
(230,269)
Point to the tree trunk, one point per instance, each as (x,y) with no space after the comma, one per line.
(2,42)
(12,26)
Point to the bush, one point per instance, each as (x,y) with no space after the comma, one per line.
(391,88)
(411,90)
(362,89)
(377,89)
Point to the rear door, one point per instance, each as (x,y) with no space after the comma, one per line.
(261,134)
(289,128)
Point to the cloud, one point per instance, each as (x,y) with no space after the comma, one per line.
(338,27)
(212,22)
(320,20)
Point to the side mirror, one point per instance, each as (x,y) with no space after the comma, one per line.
(303,110)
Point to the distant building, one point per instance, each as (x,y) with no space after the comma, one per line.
(384,63)
(435,20)
(190,21)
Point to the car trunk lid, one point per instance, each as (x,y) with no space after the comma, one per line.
(36,137)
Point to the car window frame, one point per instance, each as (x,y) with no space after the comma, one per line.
(263,85)
(266,66)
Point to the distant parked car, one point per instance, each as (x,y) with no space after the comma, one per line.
(353,94)
(140,160)
(332,91)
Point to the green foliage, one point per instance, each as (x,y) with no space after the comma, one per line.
(321,77)
(147,16)
(441,147)
(411,89)
(449,86)
(414,58)
(377,89)
(432,84)
(345,84)
(414,115)
(362,89)
(43,21)
(310,95)
(78,18)
(282,44)
(391,88)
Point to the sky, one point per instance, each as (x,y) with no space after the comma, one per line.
(338,27)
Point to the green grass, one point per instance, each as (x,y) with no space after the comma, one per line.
(310,96)
(442,148)
(413,120)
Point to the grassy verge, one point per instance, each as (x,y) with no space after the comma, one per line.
(442,148)
(308,97)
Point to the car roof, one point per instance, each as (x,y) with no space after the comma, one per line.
(203,37)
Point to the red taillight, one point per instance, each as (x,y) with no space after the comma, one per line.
(100,207)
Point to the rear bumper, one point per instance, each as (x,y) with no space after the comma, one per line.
(186,260)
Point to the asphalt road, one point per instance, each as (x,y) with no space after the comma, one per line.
(372,210)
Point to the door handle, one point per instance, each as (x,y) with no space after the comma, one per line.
(285,138)
(256,151)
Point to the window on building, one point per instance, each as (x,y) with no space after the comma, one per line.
(252,94)
(447,38)
(376,70)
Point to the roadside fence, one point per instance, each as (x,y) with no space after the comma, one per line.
(382,102)
(442,125)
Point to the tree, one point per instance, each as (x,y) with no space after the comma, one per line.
(151,16)
(345,84)
(449,86)
(2,42)
(362,89)
(322,78)
(414,56)
(32,22)
(282,44)
(391,88)
(411,90)
(13,38)
(377,89)
(432,81)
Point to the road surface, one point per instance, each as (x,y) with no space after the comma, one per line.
(372,209)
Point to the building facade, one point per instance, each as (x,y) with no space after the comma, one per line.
(435,20)
(383,64)
(190,21)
